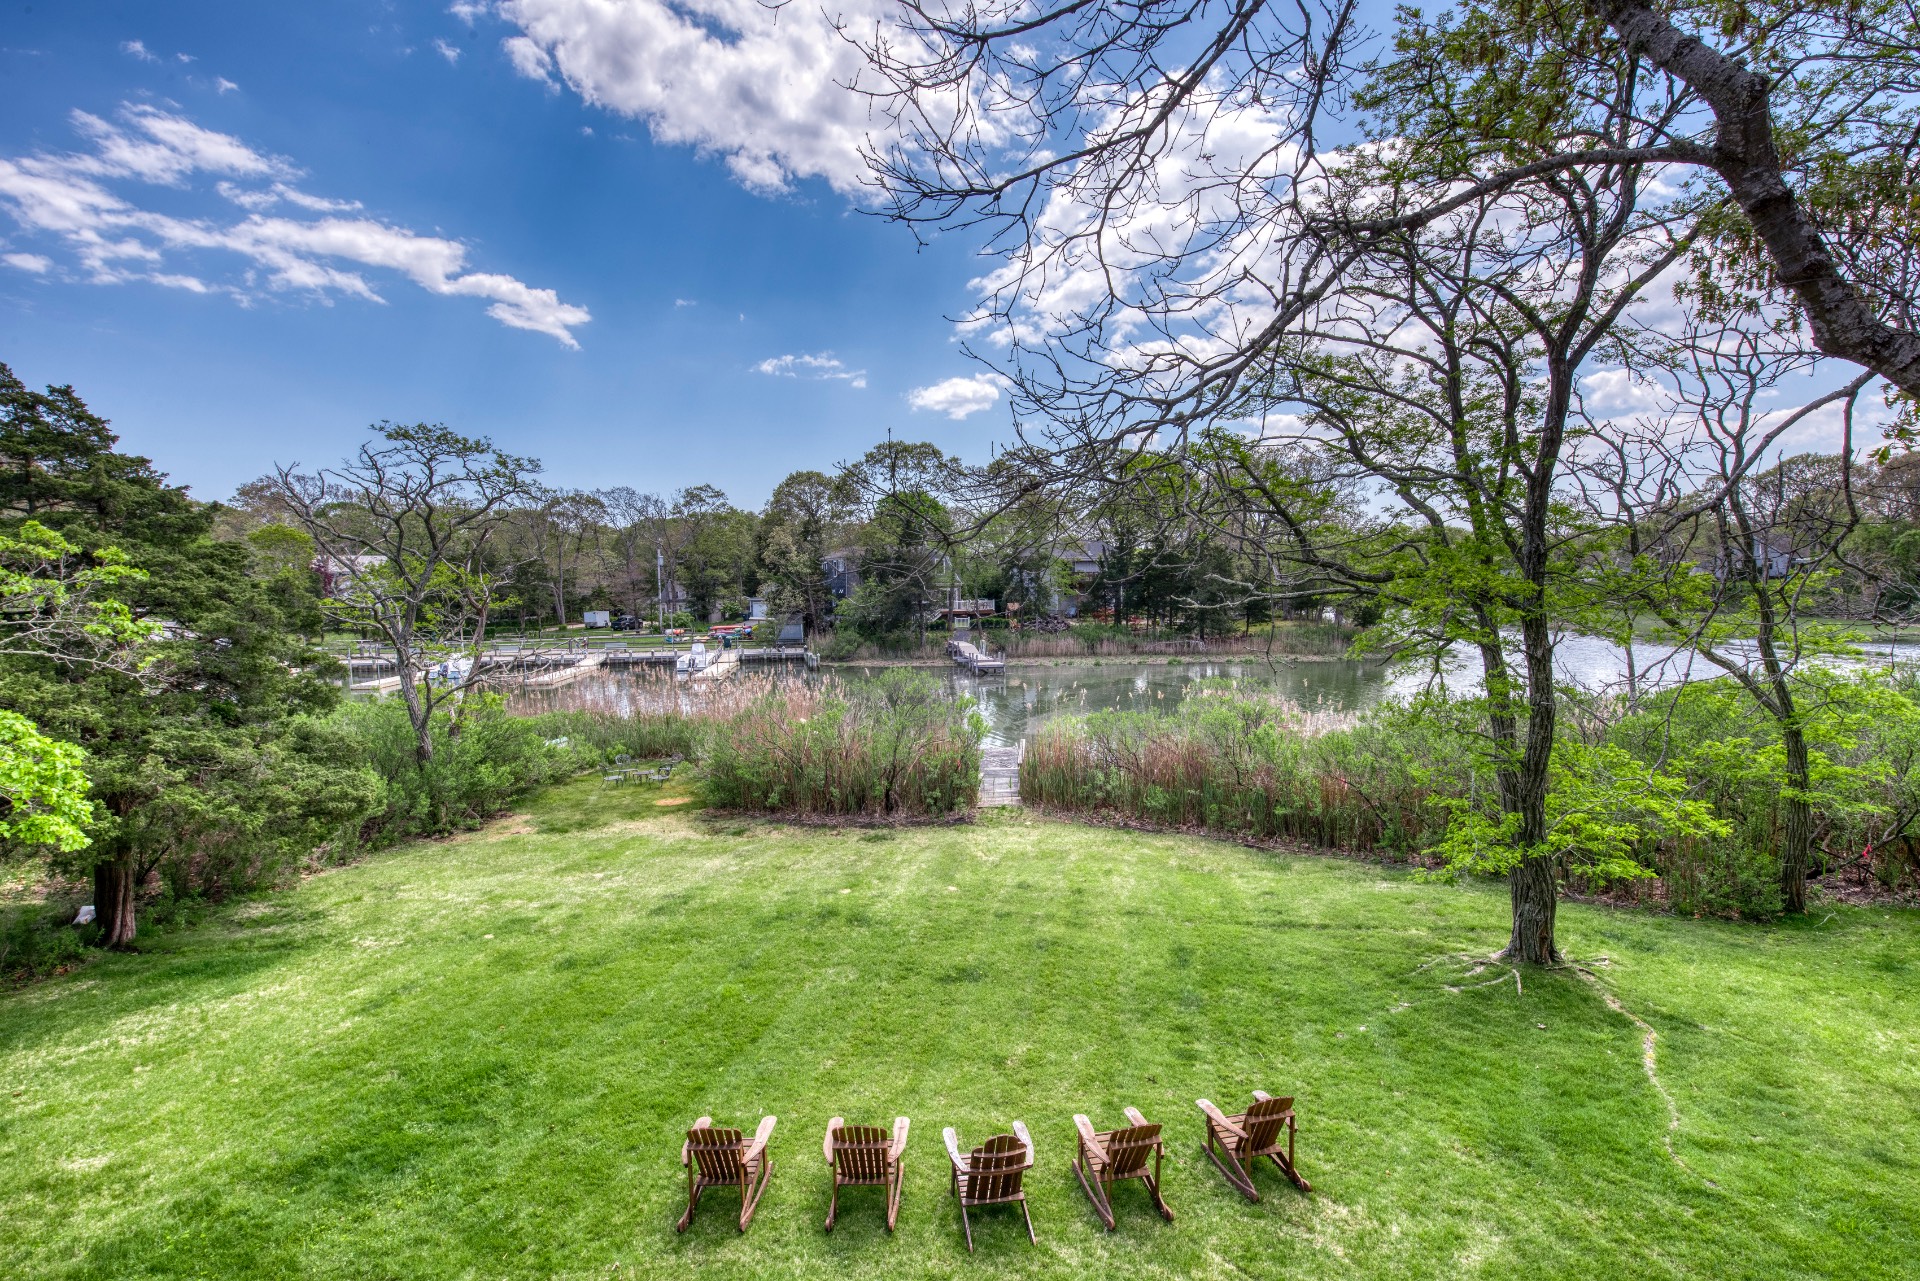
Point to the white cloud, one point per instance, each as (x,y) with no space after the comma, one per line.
(685,302)
(184,57)
(222,85)
(824,365)
(447,51)
(469,11)
(138,49)
(38,264)
(763,85)
(115,240)
(259,198)
(529,59)
(958,397)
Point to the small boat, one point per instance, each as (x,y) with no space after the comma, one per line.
(696,660)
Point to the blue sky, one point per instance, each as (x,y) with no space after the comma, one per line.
(491,168)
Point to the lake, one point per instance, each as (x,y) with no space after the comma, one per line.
(1029,694)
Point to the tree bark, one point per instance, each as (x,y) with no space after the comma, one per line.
(113,902)
(1844,324)
(1797,836)
(419,714)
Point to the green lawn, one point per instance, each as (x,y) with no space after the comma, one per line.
(475,1058)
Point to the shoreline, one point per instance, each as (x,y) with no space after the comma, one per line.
(1081,660)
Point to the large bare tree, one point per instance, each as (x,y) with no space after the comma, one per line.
(403,530)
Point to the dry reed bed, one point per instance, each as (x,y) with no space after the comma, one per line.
(898,748)
(1260,768)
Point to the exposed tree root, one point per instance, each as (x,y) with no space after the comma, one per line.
(1477,965)
(1649,1062)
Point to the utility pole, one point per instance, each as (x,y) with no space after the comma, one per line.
(660,585)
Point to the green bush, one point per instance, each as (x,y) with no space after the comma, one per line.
(37,939)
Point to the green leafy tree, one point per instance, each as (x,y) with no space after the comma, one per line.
(227,671)
(43,789)
(806,518)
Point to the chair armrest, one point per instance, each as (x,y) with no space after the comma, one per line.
(826,1145)
(1217,1119)
(686,1149)
(1020,1133)
(1133,1115)
(900,1124)
(953,1148)
(760,1138)
(1088,1138)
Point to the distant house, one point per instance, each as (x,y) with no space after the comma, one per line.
(1084,561)
(1774,559)
(842,569)
(336,572)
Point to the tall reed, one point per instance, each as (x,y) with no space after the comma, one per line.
(896,747)
(1249,766)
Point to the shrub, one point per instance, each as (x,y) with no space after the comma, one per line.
(493,760)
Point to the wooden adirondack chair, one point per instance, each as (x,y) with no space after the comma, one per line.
(1255,1133)
(719,1157)
(1113,1156)
(991,1175)
(866,1156)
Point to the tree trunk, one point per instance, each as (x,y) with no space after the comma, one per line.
(1535,892)
(419,714)
(1796,852)
(113,902)
(1534,884)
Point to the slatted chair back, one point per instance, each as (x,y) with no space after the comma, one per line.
(860,1153)
(1128,1150)
(1263,1122)
(995,1170)
(716,1153)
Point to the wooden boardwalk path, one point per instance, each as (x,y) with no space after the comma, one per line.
(1000,775)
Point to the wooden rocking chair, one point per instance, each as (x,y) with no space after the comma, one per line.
(1244,1139)
(1115,1156)
(991,1175)
(717,1157)
(865,1156)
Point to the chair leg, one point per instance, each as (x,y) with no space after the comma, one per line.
(1029,1218)
(1291,1171)
(693,1200)
(833,1203)
(1095,1190)
(1235,1174)
(967,1226)
(756,1187)
(1153,1186)
(1286,1168)
(893,1194)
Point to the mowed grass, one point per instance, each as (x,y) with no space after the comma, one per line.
(476,1058)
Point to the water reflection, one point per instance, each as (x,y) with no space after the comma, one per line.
(1012,704)
(1024,697)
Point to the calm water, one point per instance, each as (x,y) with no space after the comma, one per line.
(1026,696)
(1016,702)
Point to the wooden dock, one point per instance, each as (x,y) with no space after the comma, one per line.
(975,660)
(1000,775)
